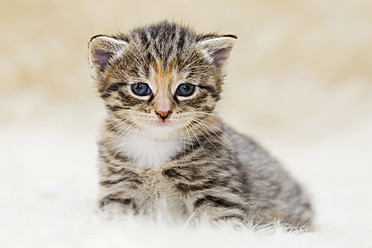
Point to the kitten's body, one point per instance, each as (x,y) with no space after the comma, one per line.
(167,150)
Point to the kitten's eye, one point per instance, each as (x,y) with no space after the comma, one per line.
(185,89)
(141,89)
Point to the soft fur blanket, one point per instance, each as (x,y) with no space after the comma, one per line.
(49,183)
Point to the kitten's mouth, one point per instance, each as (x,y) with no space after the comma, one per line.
(161,123)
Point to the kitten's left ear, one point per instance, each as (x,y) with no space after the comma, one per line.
(218,49)
(102,51)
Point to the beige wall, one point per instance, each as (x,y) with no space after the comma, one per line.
(303,66)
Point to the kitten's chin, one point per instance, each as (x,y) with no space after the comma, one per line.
(161,132)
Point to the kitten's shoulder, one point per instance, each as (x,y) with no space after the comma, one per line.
(255,160)
(242,143)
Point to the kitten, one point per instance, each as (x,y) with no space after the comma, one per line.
(163,147)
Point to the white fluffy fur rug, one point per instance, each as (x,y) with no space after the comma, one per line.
(49,183)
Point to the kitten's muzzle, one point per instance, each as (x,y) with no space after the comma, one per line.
(163,115)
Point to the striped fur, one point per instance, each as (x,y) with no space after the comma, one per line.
(191,164)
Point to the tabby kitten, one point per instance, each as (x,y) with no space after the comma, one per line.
(163,147)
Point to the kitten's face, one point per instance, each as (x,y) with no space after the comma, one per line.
(161,84)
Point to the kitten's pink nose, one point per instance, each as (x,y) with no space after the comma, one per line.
(163,114)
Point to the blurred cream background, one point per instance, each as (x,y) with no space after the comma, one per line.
(300,82)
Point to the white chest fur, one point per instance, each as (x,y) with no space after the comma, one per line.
(148,152)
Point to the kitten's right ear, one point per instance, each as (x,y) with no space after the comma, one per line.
(103,50)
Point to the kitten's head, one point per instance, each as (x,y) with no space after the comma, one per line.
(162,80)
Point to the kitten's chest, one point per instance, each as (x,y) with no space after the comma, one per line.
(160,196)
(149,153)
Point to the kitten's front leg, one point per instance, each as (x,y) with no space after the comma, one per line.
(117,203)
(119,191)
(212,208)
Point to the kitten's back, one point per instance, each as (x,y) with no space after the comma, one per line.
(272,191)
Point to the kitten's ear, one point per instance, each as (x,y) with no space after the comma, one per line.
(103,50)
(218,49)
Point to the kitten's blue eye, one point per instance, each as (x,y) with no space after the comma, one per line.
(185,89)
(141,89)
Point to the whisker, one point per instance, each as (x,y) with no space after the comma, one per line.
(115,126)
(188,55)
(221,141)
(201,145)
(204,126)
(200,66)
(192,62)
(219,129)
(139,51)
(107,122)
(125,134)
(191,143)
(201,73)
(119,146)
(201,112)
(123,129)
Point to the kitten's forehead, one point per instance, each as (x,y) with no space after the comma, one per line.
(168,42)
(164,77)
(166,51)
